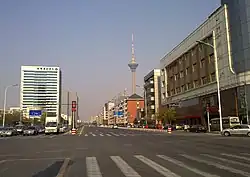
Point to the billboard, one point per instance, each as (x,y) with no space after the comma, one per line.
(35,113)
(118,113)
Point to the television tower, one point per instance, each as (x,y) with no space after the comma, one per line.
(133,65)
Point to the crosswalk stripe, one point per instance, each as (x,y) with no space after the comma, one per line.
(101,134)
(236,156)
(227,160)
(123,134)
(127,170)
(113,134)
(217,165)
(86,135)
(245,154)
(160,169)
(93,134)
(93,169)
(108,134)
(195,170)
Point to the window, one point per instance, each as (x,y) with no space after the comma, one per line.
(212,77)
(181,74)
(187,71)
(211,58)
(196,83)
(192,52)
(204,80)
(180,61)
(194,67)
(178,90)
(183,88)
(188,86)
(202,63)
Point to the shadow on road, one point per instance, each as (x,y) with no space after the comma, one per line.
(51,171)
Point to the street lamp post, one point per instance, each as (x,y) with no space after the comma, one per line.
(5,97)
(216,73)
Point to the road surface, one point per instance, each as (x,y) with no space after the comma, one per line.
(105,152)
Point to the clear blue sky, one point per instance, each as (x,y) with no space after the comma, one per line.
(91,41)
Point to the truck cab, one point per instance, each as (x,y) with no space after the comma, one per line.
(51,128)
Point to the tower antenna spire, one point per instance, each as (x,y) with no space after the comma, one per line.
(133,65)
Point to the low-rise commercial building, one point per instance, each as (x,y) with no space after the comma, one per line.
(188,72)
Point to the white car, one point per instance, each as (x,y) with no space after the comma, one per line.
(115,126)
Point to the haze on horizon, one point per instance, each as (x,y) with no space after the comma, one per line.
(91,42)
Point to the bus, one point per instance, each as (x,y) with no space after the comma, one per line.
(227,122)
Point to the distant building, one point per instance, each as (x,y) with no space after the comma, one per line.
(14,109)
(152,93)
(40,88)
(66,105)
(133,103)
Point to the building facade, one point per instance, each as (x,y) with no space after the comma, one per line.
(188,79)
(133,104)
(152,93)
(40,88)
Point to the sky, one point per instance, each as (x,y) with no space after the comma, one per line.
(91,41)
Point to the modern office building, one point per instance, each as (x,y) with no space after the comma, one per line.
(152,93)
(188,79)
(40,88)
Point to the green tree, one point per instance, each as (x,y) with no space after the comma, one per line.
(166,115)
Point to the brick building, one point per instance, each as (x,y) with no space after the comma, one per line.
(134,102)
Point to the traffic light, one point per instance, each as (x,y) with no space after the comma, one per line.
(73,106)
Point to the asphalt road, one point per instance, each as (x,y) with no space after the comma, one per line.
(105,152)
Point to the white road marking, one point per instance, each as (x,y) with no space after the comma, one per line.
(101,134)
(160,169)
(81,131)
(108,134)
(86,135)
(93,169)
(63,168)
(195,170)
(217,165)
(236,156)
(93,134)
(127,170)
(227,160)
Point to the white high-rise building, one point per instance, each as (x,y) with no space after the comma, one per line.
(40,88)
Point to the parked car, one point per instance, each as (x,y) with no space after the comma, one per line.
(197,129)
(115,126)
(237,130)
(19,129)
(30,131)
(8,131)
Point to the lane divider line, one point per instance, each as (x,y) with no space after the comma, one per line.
(63,169)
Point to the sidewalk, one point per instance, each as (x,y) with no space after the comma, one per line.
(166,131)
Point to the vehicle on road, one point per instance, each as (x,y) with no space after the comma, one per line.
(19,129)
(8,131)
(227,122)
(30,131)
(237,130)
(51,128)
(197,129)
(115,126)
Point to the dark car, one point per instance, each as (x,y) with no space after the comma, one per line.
(197,128)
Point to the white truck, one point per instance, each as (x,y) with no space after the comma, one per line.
(51,125)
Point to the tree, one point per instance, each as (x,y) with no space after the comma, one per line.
(166,115)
